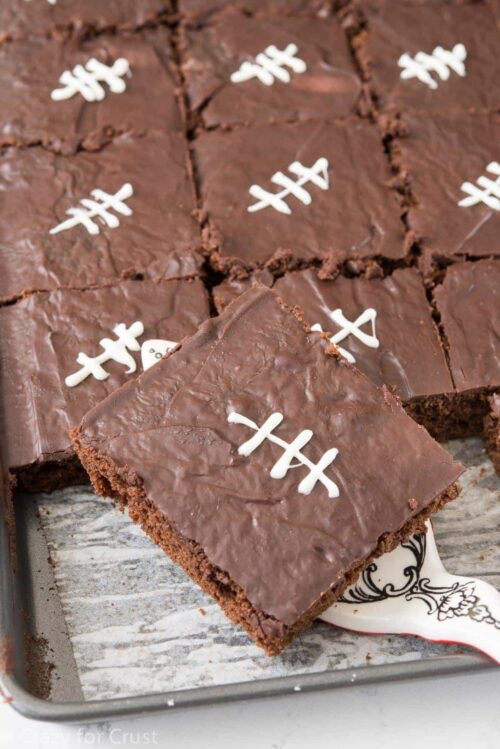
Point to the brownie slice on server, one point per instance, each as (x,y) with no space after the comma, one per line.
(243,70)
(385,328)
(449,164)
(24,18)
(429,56)
(279,195)
(201,450)
(125,211)
(65,94)
(468,302)
(62,352)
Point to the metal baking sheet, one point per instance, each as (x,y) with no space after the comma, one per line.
(100,617)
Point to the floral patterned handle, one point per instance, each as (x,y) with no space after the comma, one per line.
(409,592)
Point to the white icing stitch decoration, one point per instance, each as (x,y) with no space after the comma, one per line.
(92,209)
(269,65)
(152,351)
(440,62)
(490,194)
(86,80)
(50,2)
(113,350)
(317,174)
(291,450)
(348,328)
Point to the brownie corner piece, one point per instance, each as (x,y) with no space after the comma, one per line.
(277,196)
(245,70)
(200,450)
(492,431)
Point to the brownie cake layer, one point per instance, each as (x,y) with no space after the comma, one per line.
(394,33)
(200,448)
(138,222)
(443,161)
(42,339)
(492,431)
(318,81)
(38,108)
(20,19)
(321,172)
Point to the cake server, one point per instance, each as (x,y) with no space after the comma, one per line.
(408,591)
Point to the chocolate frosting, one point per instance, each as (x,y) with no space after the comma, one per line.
(328,88)
(31,71)
(438,156)
(19,18)
(409,359)
(38,187)
(201,10)
(229,163)
(282,547)
(469,304)
(393,31)
(40,338)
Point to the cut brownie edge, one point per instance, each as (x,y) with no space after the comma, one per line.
(125,488)
(51,475)
(492,431)
(450,416)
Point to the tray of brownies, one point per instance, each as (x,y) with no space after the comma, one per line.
(249,348)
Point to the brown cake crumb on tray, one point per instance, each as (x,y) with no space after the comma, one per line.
(199,450)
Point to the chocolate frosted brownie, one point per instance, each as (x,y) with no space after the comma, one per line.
(385,328)
(437,57)
(242,70)
(66,94)
(279,195)
(64,351)
(449,166)
(200,449)
(468,303)
(25,18)
(492,431)
(84,220)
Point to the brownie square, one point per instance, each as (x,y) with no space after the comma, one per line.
(22,18)
(321,172)
(199,449)
(467,60)
(384,327)
(468,302)
(147,227)
(82,115)
(492,431)
(444,160)
(231,79)
(45,390)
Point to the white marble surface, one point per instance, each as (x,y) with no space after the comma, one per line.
(135,620)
